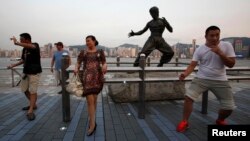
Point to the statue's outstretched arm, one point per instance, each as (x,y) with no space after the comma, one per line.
(167,25)
(132,33)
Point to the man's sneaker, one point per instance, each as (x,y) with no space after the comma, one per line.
(221,122)
(182,126)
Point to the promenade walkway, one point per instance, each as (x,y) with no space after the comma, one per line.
(116,121)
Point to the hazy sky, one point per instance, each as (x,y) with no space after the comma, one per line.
(70,21)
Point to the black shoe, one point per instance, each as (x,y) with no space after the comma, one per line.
(89,134)
(60,92)
(31,116)
(160,65)
(28,107)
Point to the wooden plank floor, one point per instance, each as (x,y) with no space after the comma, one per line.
(115,121)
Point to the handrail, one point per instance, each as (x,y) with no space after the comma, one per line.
(13,71)
(148,69)
(150,63)
(142,70)
(141,80)
(159,69)
(129,70)
(147,60)
(5,68)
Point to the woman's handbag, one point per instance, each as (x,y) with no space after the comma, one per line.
(75,86)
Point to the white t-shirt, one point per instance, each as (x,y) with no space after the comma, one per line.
(210,64)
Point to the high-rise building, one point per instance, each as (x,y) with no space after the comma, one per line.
(238,46)
(50,50)
(75,52)
(241,45)
(133,52)
(240,49)
(193,46)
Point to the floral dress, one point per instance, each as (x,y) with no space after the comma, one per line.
(92,77)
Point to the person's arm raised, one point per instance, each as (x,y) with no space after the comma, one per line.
(24,45)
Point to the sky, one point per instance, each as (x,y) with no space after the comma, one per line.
(70,21)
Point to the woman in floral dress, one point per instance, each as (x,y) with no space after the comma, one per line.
(94,66)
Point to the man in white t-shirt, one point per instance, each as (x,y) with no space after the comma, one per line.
(212,57)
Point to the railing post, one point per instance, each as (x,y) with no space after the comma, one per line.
(118,61)
(176,61)
(238,72)
(204,102)
(65,94)
(148,61)
(12,77)
(141,109)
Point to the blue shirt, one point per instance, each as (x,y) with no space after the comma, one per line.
(58,59)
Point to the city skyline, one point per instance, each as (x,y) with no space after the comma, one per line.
(182,50)
(110,21)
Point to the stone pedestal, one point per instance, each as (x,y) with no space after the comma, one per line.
(128,92)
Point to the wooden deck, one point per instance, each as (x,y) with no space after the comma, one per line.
(115,121)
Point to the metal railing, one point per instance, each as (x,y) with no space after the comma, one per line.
(142,79)
(117,63)
(16,71)
(142,70)
(148,62)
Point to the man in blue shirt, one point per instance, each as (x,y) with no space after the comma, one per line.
(57,60)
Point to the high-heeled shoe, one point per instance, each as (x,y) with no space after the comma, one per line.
(89,134)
